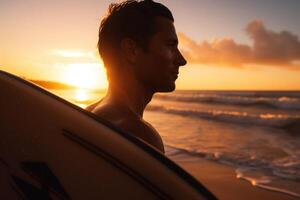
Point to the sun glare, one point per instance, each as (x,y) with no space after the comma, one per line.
(81,95)
(72,53)
(86,75)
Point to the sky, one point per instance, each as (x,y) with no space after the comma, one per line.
(229,44)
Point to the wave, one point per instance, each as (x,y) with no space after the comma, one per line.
(267,119)
(282,102)
(274,94)
(287,167)
(259,173)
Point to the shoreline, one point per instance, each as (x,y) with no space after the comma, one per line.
(221,180)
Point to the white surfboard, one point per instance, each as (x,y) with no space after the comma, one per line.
(52,149)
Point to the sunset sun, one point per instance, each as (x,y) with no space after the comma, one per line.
(86,75)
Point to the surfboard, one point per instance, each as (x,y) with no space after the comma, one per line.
(52,149)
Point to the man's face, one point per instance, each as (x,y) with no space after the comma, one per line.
(158,67)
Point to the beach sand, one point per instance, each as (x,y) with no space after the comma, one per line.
(221,180)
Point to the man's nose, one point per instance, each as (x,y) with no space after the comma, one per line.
(181,60)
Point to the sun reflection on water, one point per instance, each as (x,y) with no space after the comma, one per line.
(81,95)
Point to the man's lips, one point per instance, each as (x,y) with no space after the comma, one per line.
(175,75)
(175,72)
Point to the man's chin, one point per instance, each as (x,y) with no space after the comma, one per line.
(169,88)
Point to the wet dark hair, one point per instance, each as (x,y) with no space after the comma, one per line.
(129,19)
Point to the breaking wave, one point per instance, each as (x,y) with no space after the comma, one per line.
(281,102)
(264,119)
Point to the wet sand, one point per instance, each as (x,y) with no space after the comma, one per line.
(221,180)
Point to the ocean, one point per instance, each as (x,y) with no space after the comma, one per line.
(256,132)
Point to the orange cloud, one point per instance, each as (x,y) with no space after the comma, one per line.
(268,48)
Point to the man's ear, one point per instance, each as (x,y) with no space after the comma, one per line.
(129,49)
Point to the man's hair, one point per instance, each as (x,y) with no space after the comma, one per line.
(130,19)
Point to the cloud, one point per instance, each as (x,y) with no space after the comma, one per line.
(268,48)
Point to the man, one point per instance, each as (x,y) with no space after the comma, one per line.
(138,45)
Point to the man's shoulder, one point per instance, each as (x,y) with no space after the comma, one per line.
(128,122)
(143,130)
(92,106)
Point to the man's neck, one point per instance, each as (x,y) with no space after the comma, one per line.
(130,95)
